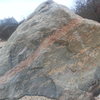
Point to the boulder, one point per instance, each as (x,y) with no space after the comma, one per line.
(55,54)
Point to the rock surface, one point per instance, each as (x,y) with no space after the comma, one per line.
(55,54)
(2,44)
(35,98)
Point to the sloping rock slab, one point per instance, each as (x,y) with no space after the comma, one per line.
(55,54)
(35,98)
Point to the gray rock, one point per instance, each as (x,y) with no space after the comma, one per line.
(54,53)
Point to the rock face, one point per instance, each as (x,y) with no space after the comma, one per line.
(2,44)
(35,98)
(55,54)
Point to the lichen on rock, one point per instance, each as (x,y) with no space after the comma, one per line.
(54,54)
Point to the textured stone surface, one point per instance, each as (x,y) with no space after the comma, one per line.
(55,54)
(35,98)
(2,44)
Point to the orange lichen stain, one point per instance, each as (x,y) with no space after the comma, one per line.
(80,64)
(71,38)
(58,70)
(84,50)
(43,46)
(60,47)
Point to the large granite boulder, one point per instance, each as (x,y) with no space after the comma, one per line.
(54,53)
